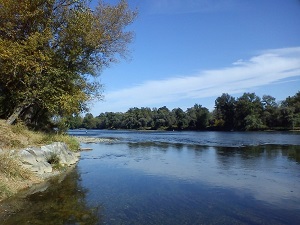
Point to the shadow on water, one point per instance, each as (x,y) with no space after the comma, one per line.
(62,203)
(245,152)
(267,151)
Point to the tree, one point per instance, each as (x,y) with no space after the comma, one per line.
(181,120)
(163,118)
(74,121)
(51,52)
(290,111)
(271,111)
(198,117)
(89,121)
(224,107)
(248,104)
(253,122)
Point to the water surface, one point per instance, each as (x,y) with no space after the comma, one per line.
(173,178)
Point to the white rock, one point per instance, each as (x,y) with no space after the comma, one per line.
(35,159)
(27,158)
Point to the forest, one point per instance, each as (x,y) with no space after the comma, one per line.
(248,112)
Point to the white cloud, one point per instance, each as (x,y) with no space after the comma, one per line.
(266,68)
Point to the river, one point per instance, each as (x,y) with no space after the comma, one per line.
(158,177)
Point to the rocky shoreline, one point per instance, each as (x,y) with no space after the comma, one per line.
(87,139)
(41,160)
(40,164)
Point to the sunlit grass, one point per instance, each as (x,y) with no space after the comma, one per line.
(18,136)
(11,168)
(13,176)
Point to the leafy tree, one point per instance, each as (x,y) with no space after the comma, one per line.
(163,117)
(74,121)
(253,122)
(271,112)
(51,51)
(290,111)
(225,111)
(146,117)
(89,121)
(181,118)
(293,101)
(131,119)
(248,104)
(198,117)
(287,117)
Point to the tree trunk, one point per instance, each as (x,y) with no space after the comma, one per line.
(17,111)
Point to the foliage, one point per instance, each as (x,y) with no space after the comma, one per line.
(248,112)
(253,122)
(225,111)
(248,107)
(196,118)
(50,53)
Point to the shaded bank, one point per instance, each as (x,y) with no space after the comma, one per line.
(61,200)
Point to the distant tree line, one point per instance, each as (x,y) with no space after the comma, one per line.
(248,112)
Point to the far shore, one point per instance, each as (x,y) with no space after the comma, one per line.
(162,130)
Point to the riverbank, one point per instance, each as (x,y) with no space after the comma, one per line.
(28,158)
(21,169)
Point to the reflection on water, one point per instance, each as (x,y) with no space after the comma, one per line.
(62,203)
(221,139)
(171,180)
(192,184)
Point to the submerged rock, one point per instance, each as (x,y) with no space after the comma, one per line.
(87,139)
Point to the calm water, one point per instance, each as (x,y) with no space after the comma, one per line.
(172,178)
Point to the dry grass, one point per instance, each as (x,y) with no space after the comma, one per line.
(18,136)
(13,177)
(11,167)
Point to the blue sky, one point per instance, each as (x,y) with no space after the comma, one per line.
(191,51)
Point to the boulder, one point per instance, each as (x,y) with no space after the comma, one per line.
(60,149)
(37,159)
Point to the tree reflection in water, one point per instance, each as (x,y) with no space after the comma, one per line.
(62,203)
